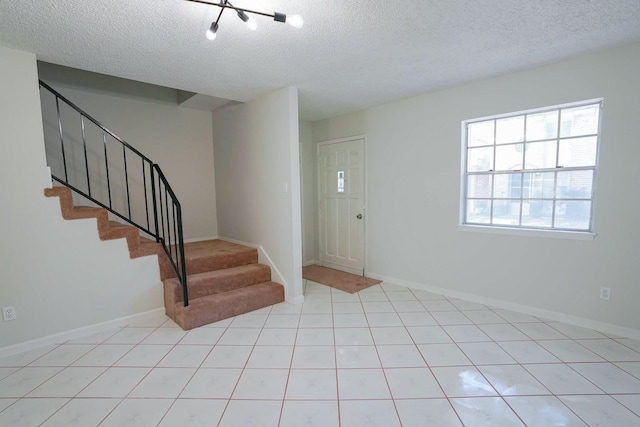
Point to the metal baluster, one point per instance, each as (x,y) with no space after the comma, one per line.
(126,178)
(106,165)
(144,183)
(161,213)
(64,157)
(86,160)
(173,211)
(183,267)
(166,198)
(155,205)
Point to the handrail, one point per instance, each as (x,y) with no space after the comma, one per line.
(89,166)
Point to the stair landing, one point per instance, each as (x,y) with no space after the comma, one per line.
(217,254)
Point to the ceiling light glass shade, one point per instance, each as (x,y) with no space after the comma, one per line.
(295,21)
(211,32)
(252,24)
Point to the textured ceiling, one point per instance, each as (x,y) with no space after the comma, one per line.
(349,55)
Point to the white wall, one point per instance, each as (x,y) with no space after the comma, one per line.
(308,171)
(413,169)
(258,180)
(57,273)
(147,117)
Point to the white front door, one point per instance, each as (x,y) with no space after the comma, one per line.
(341,205)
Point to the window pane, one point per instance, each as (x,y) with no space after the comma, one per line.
(540,155)
(507,186)
(509,157)
(542,126)
(510,130)
(480,133)
(340,181)
(573,215)
(575,184)
(537,213)
(541,185)
(578,152)
(479,186)
(506,212)
(479,211)
(480,159)
(579,121)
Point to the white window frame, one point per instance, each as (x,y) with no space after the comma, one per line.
(519,229)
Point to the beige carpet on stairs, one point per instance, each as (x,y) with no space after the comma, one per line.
(346,282)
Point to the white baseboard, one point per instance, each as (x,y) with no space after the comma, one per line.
(312,262)
(63,337)
(532,311)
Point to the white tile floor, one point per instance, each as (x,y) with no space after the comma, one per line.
(387,357)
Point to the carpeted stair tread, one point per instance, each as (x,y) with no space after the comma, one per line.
(212,308)
(116,230)
(116,224)
(87,209)
(146,241)
(231,277)
(215,282)
(217,254)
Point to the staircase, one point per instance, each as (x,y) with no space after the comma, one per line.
(204,281)
(224,279)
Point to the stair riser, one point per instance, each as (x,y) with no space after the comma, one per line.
(210,286)
(219,262)
(203,311)
(204,286)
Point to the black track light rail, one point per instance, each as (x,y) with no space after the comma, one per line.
(294,20)
(227,5)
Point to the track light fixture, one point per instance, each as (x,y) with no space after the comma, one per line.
(211,32)
(293,20)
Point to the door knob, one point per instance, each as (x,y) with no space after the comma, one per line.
(359,216)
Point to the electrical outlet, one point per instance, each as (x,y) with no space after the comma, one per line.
(9,313)
(605,293)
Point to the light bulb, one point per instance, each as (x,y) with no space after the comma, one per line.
(252,24)
(295,21)
(211,32)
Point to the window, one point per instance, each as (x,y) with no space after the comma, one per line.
(533,170)
(340,181)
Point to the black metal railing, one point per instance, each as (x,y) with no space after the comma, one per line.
(101,167)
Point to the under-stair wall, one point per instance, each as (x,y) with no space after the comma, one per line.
(58,274)
(258,181)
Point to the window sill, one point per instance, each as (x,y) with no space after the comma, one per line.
(528,232)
